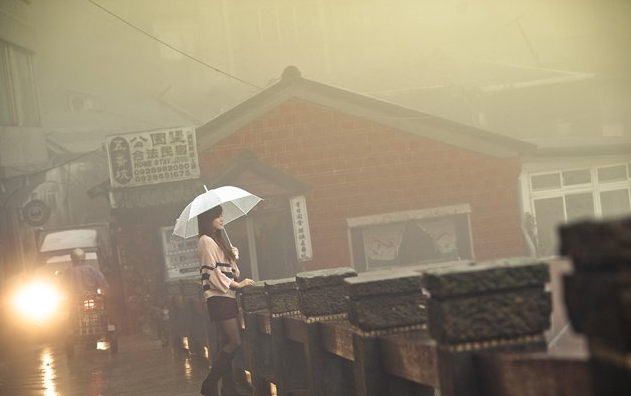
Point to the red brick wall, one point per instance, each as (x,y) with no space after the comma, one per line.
(357,168)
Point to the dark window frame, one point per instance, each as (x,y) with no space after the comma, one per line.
(357,227)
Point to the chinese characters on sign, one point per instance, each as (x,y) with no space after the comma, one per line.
(180,256)
(300,221)
(152,157)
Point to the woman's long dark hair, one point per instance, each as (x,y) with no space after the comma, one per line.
(204,225)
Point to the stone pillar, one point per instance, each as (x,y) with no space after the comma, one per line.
(386,301)
(598,297)
(383,302)
(288,357)
(282,297)
(492,306)
(256,343)
(321,293)
(322,297)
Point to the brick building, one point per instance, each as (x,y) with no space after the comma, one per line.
(383,185)
(380,186)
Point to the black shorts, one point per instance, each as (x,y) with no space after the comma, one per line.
(221,308)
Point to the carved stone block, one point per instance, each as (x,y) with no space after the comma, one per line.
(598,297)
(383,283)
(282,295)
(253,298)
(491,300)
(486,277)
(597,244)
(321,292)
(489,316)
(599,306)
(385,299)
(322,278)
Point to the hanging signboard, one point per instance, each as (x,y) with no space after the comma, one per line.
(300,221)
(152,157)
(180,256)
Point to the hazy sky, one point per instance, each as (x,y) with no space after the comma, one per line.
(135,82)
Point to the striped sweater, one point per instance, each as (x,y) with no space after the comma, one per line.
(217,270)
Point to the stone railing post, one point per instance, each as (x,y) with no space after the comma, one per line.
(321,293)
(288,357)
(256,346)
(484,307)
(383,303)
(598,297)
(322,297)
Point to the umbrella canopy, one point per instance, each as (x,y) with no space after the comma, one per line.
(235,202)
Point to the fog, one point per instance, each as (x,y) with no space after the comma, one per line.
(552,74)
(145,64)
(540,92)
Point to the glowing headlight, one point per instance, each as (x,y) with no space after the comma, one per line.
(37,301)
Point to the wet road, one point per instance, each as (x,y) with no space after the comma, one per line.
(141,367)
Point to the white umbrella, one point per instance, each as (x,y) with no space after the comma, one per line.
(235,202)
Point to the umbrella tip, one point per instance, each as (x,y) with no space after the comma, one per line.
(205,188)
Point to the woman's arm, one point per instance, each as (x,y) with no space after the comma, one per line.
(243,283)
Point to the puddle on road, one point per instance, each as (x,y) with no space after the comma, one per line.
(48,368)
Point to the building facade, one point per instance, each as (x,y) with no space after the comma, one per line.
(346,180)
(22,145)
(382,185)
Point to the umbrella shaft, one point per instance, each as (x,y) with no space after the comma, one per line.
(227,237)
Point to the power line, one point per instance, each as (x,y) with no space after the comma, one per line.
(172,47)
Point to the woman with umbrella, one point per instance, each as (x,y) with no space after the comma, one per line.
(219,272)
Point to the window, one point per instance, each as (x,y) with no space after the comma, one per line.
(408,238)
(612,174)
(579,206)
(549,212)
(615,202)
(575,177)
(546,182)
(571,195)
(18,99)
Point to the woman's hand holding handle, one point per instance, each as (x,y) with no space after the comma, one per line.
(245,282)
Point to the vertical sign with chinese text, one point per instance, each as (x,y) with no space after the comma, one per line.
(152,157)
(300,221)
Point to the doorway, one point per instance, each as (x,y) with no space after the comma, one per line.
(266,245)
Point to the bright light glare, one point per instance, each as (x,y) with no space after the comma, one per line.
(37,301)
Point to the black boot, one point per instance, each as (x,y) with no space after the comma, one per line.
(228,385)
(209,386)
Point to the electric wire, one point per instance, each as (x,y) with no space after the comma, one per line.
(216,69)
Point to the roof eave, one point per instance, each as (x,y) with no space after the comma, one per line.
(376,110)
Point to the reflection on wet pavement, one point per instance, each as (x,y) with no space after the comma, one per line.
(141,367)
(48,369)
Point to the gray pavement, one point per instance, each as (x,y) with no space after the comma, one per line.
(141,367)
